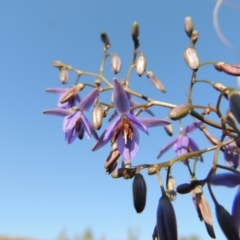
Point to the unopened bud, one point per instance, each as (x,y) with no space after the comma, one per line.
(97,82)
(57,64)
(139,192)
(226,223)
(116,64)
(231,69)
(63,76)
(155,81)
(169,129)
(234,102)
(188,26)
(105,40)
(141,65)
(171,188)
(221,88)
(194,37)
(180,111)
(97,116)
(72,92)
(135,30)
(191,58)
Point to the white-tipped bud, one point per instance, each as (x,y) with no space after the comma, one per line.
(188,25)
(57,64)
(194,37)
(97,116)
(141,64)
(191,58)
(135,30)
(63,76)
(180,111)
(157,83)
(171,188)
(116,64)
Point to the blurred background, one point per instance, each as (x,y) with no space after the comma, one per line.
(52,190)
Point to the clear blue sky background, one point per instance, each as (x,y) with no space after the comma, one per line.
(47,185)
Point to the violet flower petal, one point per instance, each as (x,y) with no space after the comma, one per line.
(231,155)
(59,112)
(121,100)
(110,129)
(181,146)
(88,101)
(69,122)
(129,150)
(193,147)
(57,90)
(71,135)
(102,140)
(85,126)
(192,127)
(226,179)
(153,122)
(135,121)
(167,147)
(92,129)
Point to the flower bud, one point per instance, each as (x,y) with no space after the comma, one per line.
(194,37)
(169,129)
(221,88)
(57,64)
(141,65)
(231,69)
(191,58)
(184,188)
(180,111)
(171,188)
(105,40)
(188,26)
(234,102)
(139,192)
(135,30)
(166,219)
(116,64)
(97,116)
(72,92)
(226,222)
(155,81)
(63,76)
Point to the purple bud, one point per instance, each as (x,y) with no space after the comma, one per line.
(139,192)
(231,69)
(155,81)
(191,58)
(141,65)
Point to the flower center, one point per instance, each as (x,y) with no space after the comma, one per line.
(125,128)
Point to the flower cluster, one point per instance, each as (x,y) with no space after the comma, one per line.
(123,136)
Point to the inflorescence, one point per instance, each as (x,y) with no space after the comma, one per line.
(122,133)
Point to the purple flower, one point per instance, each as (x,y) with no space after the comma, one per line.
(183,143)
(124,129)
(231,155)
(75,123)
(68,96)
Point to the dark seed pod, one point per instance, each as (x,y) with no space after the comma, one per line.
(139,192)
(184,188)
(226,222)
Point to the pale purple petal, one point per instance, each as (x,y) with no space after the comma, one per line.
(110,129)
(59,112)
(193,147)
(88,101)
(135,121)
(167,147)
(69,122)
(71,135)
(129,150)
(181,146)
(236,210)
(153,122)
(231,155)
(121,100)
(102,141)
(85,126)
(57,90)
(226,179)
(192,127)
(92,129)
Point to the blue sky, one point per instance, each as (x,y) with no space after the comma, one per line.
(47,185)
